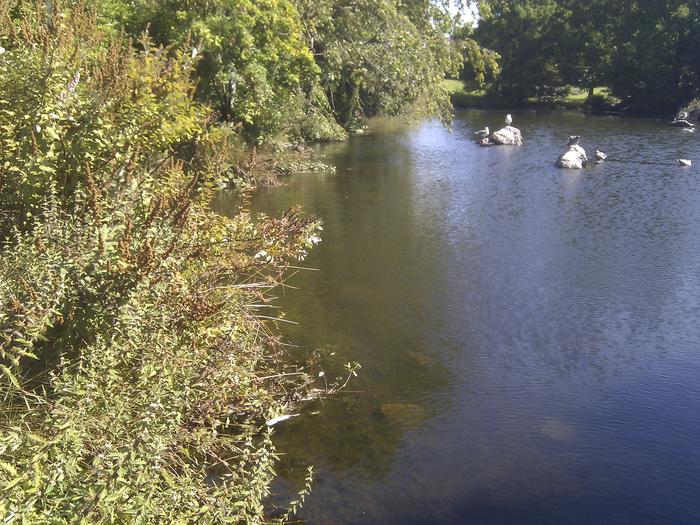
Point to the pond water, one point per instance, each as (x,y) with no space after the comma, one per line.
(529,336)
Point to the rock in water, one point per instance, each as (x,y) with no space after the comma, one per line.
(507,136)
(575,157)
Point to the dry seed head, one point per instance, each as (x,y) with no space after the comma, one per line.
(133,162)
(124,244)
(39,244)
(35,147)
(101,242)
(93,193)
(16,307)
(145,256)
(155,207)
(182,214)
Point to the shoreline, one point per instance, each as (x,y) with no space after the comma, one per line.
(461,98)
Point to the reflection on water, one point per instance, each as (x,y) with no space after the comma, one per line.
(529,336)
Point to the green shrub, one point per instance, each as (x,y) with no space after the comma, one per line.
(136,370)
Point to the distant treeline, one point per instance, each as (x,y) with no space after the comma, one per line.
(646,51)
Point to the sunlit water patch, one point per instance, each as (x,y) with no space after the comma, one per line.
(529,336)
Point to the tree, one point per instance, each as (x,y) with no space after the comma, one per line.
(479,65)
(526,35)
(255,65)
(646,51)
(380,57)
(656,61)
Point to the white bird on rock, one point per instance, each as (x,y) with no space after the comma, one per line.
(483,132)
(509,120)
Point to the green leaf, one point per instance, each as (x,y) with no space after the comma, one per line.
(12,471)
(10,375)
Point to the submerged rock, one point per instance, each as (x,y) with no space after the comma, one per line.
(558,430)
(509,135)
(403,413)
(422,358)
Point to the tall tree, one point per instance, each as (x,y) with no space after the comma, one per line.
(527,36)
(380,56)
(645,50)
(255,64)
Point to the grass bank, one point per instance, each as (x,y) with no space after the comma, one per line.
(462,96)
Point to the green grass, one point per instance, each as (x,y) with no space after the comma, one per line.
(462,96)
(579,96)
(575,98)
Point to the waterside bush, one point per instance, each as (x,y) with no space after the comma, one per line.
(136,367)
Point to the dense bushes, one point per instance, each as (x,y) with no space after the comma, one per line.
(136,374)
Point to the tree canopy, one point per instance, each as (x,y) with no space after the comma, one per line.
(302,67)
(646,52)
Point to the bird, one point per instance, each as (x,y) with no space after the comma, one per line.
(600,156)
(509,120)
(684,162)
(483,132)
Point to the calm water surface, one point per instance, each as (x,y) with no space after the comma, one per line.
(529,336)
